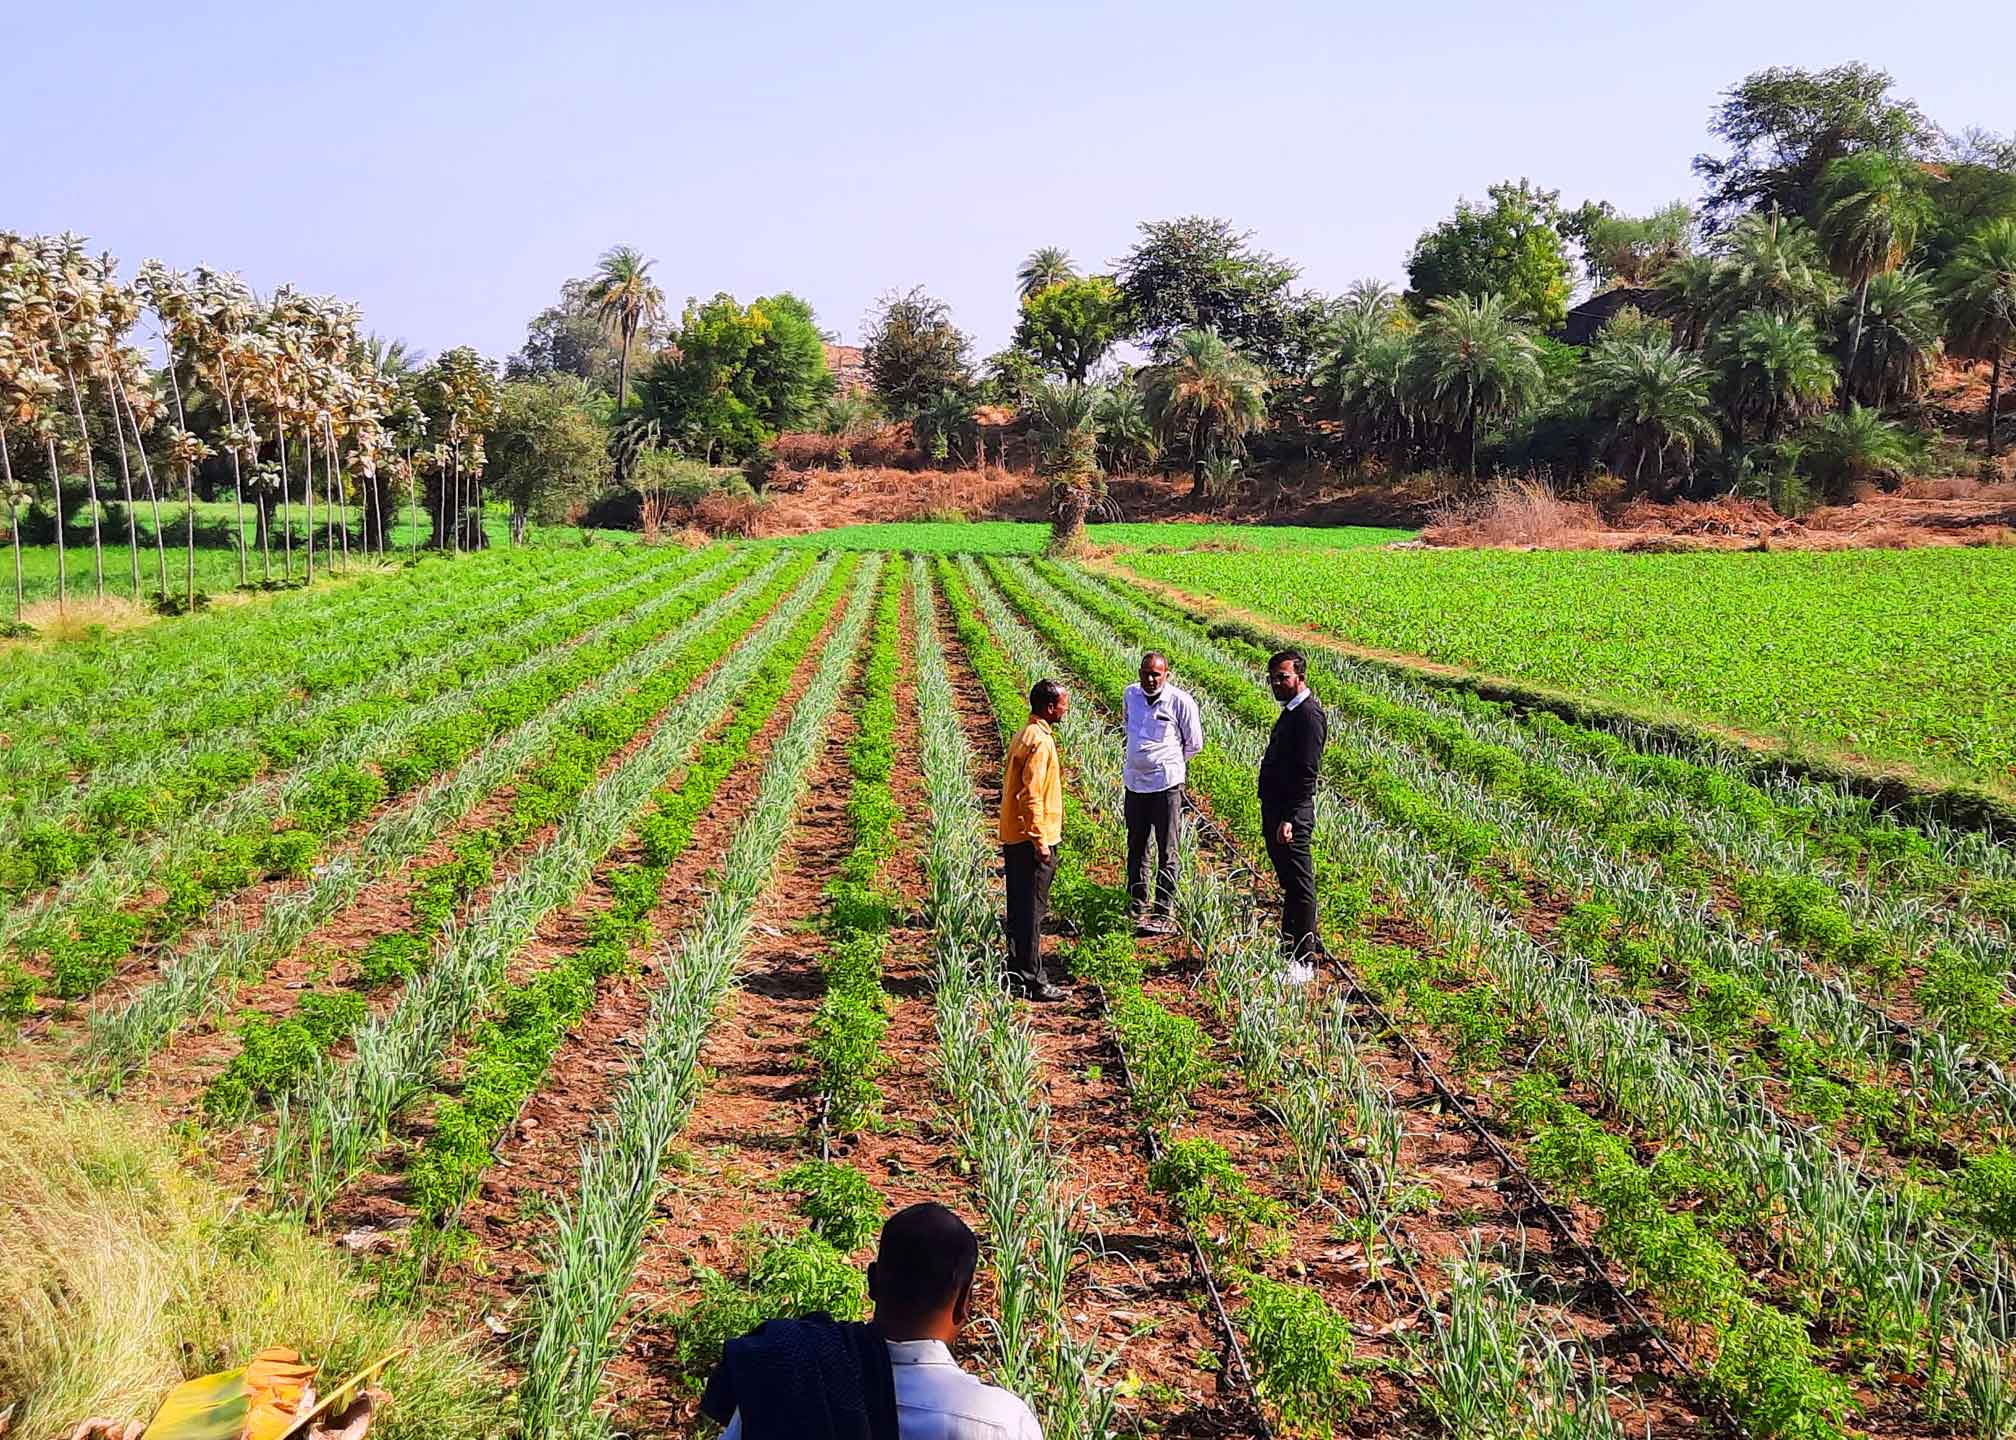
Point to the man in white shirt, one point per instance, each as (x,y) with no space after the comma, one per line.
(922,1284)
(1163,733)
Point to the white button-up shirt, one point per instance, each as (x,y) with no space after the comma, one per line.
(1162,735)
(936,1400)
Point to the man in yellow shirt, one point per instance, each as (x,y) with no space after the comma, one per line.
(1032,822)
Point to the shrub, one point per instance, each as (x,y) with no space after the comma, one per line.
(842,1208)
(1234,1223)
(1302,1351)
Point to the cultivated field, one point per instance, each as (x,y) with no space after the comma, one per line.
(580,950)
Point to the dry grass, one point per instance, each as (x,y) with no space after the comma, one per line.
(123,1272)
(81,618)
(1511,514)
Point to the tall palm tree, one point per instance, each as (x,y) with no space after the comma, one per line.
(1777,363)
(1126,438)
(1652,398)
(626,301)
(1067,421)
(1692,291)
(1980,286)
(1853,449)
(1774,263)
(1206,394)
(1870,215)
(1473,365)
(1046,266)
(1900,335)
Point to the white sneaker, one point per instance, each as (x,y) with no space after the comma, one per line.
(1300,973)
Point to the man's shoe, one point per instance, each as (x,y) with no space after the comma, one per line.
(1154,925)
(1026,989)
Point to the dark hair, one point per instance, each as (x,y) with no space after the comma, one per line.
(927,1256)
(1292,657)
(1043,694)
(1154,655)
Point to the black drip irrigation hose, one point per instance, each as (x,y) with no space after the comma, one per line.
(1508,1164)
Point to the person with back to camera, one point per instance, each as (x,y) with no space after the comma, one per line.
(1288,774)
(893,1378)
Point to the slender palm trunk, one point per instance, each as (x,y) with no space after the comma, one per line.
(308,495)
(13,517)
(125,486)
(237,477)
(188,491)
(336,484)
(263,508)
(1994,402)
(146,474)
(412,505)
(1854,346)
(90,481)
(62,564)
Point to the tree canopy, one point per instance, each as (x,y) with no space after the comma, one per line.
(1198,273)
(913,352)
(1511,247)
(546,448)
(1071,325)
(1784,126)
(735,375)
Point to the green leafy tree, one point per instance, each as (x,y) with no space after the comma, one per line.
(1651,400)
(1784,127)
(735,375)
(1126,435)
(547,449)
(1632,249)
(1980,287)
(1870,216)
(1012,375)
(1511,247)
(1900,335)
(1690,291)
(569,337)
(626,300)
(1198,273)
(1972,183)
(1774,366)
(945,429)
(1045,267)
(913,352)
(1071,325)
(1471,366)
(1846,452)
(1206,397)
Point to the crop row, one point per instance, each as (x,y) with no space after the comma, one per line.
(590,1259)
(204,976)
(334,1127)
(988,1069)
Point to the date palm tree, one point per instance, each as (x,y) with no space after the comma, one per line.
(1853,449)
(1980,287)
(1471,365)
(1774,263)
(1775,363)
(1046,266)
(1206,395)
(1870,215)
(1067,423)
(626,300)
(1900,335)
(1652,399)
(1691,291)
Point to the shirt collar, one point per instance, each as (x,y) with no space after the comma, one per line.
(1040,721)
(919,1352)
(1300,696)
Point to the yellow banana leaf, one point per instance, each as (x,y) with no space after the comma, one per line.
(339,1399)
(259,1401)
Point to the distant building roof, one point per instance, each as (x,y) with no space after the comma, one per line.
(1593,314)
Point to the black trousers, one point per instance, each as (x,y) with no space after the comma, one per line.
(1157,816)
(1028,902)
(1295,868)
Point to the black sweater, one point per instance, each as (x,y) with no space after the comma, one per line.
(809,1379)
(1294,755)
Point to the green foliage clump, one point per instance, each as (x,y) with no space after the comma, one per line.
(1302,1351)
(1958,992)
(1235,1224)
(1984,1190)
(788,1278)
(275,1056)
(837,1201)
(1168,1055)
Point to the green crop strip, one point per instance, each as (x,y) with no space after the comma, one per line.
(510,1052)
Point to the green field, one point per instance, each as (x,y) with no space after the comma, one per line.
(1017,537)
(1893,655)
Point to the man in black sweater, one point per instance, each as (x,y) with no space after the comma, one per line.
(1288,806)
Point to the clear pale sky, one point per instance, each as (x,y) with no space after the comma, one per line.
(448,165)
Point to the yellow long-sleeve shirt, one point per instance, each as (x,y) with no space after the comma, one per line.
(1032,788)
